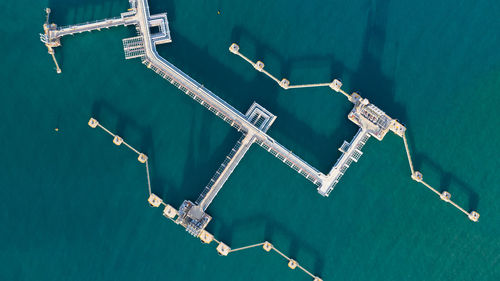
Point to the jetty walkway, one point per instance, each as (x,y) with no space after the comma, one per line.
(372,122)
(253,125)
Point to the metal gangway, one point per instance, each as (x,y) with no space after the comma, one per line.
(94,25)
(226,168)
(253,125)
(371,120)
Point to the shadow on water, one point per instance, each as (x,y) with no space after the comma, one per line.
(369,79)
(196,174)
(272,229)
(185,53)
(163,6)
(100,9)
(191,185)
(68,12)
(146,145)
(447,180)
(286,64)
(64,12)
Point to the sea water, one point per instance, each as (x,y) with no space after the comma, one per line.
(73,205)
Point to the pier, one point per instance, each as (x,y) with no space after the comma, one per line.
(188,210)
(226,168)
(372,122)
(253,126)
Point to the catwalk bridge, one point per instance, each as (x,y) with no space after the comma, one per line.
(253,125)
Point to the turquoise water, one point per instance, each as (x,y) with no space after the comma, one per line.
(73,205)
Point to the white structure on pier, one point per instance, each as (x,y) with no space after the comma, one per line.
(372,122)
(253,125)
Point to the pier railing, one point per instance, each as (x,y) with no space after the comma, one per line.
(170,212)
(146,49)
(224,171)
(143,46)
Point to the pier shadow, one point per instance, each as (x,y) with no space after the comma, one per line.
(123,126)
(197,173)
(241,94)
(68,12)
(163,6)
(286,65)
(448,181)
(64,12)
(369,79)
(273,228)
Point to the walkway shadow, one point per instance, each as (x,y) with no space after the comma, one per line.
(197,173)
(64,12)
(369,78)
(449,181)
(125,125)
(272,228)
(163,6)
(447,178)
(287,64)
(241,93)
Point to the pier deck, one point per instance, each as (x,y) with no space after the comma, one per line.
(91,26)
(253,125)
(226,168)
